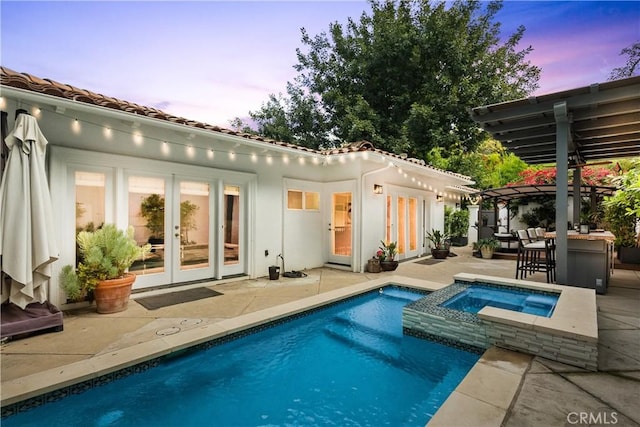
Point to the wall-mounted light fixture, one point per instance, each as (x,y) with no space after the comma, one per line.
(439,198)
(377,189)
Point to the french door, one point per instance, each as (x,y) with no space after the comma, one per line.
(233,214)
(402,225)
(173,214)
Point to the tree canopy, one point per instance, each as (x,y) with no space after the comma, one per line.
(403,77)
(630,68)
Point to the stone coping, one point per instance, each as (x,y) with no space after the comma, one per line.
(38,384)
(484,396)
(575,315)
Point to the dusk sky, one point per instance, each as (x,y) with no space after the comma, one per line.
(213,60)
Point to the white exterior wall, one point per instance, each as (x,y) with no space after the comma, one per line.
(106,140)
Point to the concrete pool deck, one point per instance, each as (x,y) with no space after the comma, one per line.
(526,391)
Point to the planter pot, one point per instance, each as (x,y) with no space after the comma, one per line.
(629,255)
(487,253)
(373,266)
(112,296)
(440,253)
(459,241)
(388,265)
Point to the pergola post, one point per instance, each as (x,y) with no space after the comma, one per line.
(577,199)
(562,186)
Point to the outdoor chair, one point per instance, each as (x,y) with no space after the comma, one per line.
(535,256)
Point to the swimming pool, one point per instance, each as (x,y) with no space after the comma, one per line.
(476,297)
(347,364)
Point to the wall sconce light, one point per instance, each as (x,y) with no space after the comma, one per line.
(439,198)
(377,189)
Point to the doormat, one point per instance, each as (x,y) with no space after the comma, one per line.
(158,301)
(429,261)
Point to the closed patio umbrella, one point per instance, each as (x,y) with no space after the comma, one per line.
(27,244)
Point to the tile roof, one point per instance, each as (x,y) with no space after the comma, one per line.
(32,83)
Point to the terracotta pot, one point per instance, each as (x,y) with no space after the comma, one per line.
(112,295)
(389,265)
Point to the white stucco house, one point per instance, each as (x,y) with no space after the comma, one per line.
(230,202)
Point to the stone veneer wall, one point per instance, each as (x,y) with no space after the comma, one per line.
(426,318)
(571,351)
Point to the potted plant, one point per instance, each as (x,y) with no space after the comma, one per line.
(459,227)
(439,243)
(105,256)
(487,247)
(152,209)
(387,259)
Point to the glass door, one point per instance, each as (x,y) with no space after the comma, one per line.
(402,224)
(232,231)
(147,214)
(340,228)
(172,215)
(191,231)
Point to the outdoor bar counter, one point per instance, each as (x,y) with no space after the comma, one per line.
(590,259)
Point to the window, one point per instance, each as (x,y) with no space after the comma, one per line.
(311,200)
(298,200)
(90,200)
(294,199)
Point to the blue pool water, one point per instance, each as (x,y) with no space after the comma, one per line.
(348,364)
(475,297)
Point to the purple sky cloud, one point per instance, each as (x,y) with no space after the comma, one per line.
(215,60)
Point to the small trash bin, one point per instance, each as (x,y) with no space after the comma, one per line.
(274,272)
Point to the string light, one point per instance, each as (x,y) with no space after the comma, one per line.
(165,147)
(137,138)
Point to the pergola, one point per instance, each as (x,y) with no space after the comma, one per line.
(569,128)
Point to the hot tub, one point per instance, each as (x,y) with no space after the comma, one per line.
(476,297)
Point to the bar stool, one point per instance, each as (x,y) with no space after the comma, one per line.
(529,252)
(535,256)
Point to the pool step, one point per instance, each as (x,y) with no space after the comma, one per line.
(365,338)
(389,294)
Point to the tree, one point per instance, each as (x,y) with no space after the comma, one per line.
(403,77)
(490,165)
(629,69)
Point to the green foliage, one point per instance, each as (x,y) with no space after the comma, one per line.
(71,285)
(104,254)
(152,209)
(488,243)
(187,219)
(540,216)
(389,250)
(402,77)
(622,210)
(459,223)
(490,166)
(439,239)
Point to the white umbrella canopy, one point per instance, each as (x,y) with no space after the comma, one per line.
(27,243)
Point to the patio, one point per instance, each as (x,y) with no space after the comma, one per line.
(549,393)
